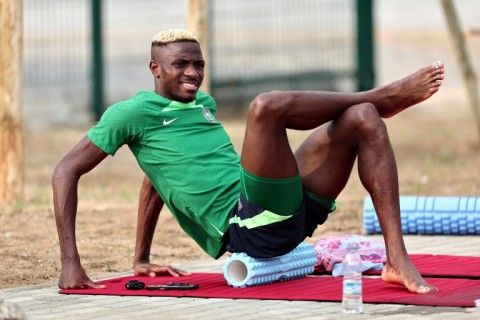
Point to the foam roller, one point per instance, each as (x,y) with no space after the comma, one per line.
(241,270)
(431,215)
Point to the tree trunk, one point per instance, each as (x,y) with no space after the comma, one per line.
(466,66)
(197,22)
(11,126)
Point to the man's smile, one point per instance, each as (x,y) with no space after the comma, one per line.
(189,85)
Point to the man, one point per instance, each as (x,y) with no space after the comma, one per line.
(264,203)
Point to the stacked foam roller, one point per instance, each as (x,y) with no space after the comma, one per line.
(298,263)
(431,215)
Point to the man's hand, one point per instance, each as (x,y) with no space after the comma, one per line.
(81,159)
(143,268)
(76,278)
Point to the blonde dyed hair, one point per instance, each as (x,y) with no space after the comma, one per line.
(173,35)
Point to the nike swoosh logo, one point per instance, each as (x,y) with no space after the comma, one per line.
(167,122)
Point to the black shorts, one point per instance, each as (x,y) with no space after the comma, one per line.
(268,240)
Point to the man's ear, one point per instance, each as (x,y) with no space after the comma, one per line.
(154,68)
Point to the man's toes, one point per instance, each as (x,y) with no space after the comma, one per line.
(423,289)
(426,289)
(438,64)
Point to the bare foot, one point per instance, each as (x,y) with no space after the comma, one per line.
(413,89)
(405,274)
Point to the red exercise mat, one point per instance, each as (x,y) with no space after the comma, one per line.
(444,266)
(453,292)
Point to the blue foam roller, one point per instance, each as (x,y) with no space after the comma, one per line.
(430,215)
(241,270)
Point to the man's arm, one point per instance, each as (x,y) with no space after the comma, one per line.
(81,159)
(149,207)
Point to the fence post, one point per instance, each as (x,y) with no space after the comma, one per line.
(365,45)
(198,23)
(97,93)
(11,123)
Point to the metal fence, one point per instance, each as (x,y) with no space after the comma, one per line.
(265,45)
(256,45)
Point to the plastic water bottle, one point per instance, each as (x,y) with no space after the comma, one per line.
(352,281)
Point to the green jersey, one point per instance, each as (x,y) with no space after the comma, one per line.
(186,154)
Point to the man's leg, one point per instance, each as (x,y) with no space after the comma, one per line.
(325,161)
(266,151)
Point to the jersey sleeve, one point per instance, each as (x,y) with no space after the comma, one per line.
(118,125)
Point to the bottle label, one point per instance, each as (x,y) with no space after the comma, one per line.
(352,289)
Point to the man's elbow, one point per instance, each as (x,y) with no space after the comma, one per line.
(61,173)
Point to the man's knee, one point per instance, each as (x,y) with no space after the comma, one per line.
(364,117)
(363,111)
(268,105)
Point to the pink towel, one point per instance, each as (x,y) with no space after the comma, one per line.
(330,252)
